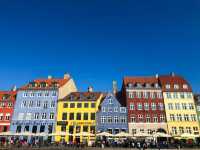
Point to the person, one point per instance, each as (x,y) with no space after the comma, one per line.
(138,145)
(144,146)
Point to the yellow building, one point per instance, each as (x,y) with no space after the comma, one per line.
(77,116)
(179,106)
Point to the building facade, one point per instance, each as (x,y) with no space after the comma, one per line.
(112,116)
(144,100)
(77,115)
(179,105)
(197,104)
(7,102)
(36,104)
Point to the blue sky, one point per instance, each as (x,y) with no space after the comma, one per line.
(98,41)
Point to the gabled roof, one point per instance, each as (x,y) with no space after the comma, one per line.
(82,96)
(52,83)
(174,79)
(8,95)
(141,80)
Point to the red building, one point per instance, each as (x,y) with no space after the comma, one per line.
(145,104)
(7,102)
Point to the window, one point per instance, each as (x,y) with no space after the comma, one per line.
(191,106)
(134,131)
(65,105)
(85,116)
(141,130)
(109,109)
(149,131)
(24,104)
(179,117)
(177,106)
(38,103)
(110,101)
(170,106)
(103,109)
(32,94)
(85,128)
(160,106)
(54,93)
(42,128)
(133,118)
(31,104)
(51,115)
(182,95)
(140,118)
(2,104)
(25,94)
(176,86)
(7,116)
(152,95)
(172,118)
(86,105)
(92,129)
(184,106)
(10,104)
(46,94)
(185,86)
(36,116)
(139,106)
(79,105)
(155,118)
(115,109)
(188,130)
(148,119)
(109,119)
(181,130)
(146,106)
(189,95)
(28,116)
(45,105)
(39,94)
(53,104)
(186,117)
(145,95)
(93,116)
(103,119)
(123,119)
(72,105)
(175,95)
(63,128)
(174,130)
(130,95)
(138,94)
(71,116)
(195,129)
(162,118)
(18,130)
(122,109)
(167,86)
(193,117)
(159,95)
(168,95)
(1,116)
(132,106)
(21,116)
(93,105)
(78,116)
(44,116)
(116,119)
(153,106)
(64,116)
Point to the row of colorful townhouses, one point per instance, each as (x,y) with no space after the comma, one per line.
(143,105)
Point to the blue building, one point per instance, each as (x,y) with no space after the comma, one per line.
(112,116)
(36,105)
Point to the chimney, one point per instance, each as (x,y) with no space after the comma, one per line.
(14,88)
(49,77)
(172,74)
(66,76)
(114,84)
(157,76)
(90,89)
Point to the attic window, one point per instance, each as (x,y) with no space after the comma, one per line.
(185,86)
(32,84)
(167,86)
(55,84)
(147,85)
(43,84)
(156,85)
(176,86)
(138,85)
(130,85)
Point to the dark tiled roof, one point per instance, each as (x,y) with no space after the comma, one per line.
(8,95)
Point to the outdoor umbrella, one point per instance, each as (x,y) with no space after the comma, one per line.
(188,135)
(105,134)
(141,135)
(123,134)
(159,134)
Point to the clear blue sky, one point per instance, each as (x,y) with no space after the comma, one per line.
(98,41)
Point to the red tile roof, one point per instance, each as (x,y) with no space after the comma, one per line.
(9,95)
(174,79)
(141,80)
(50,84)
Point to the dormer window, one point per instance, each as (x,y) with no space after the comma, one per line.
(156,85)
(55,84)
(185,86)
(176,86)
(138,85)
(130,85)
(32,84)
(71,97)
(43,84)
(147,85)
(167,86)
